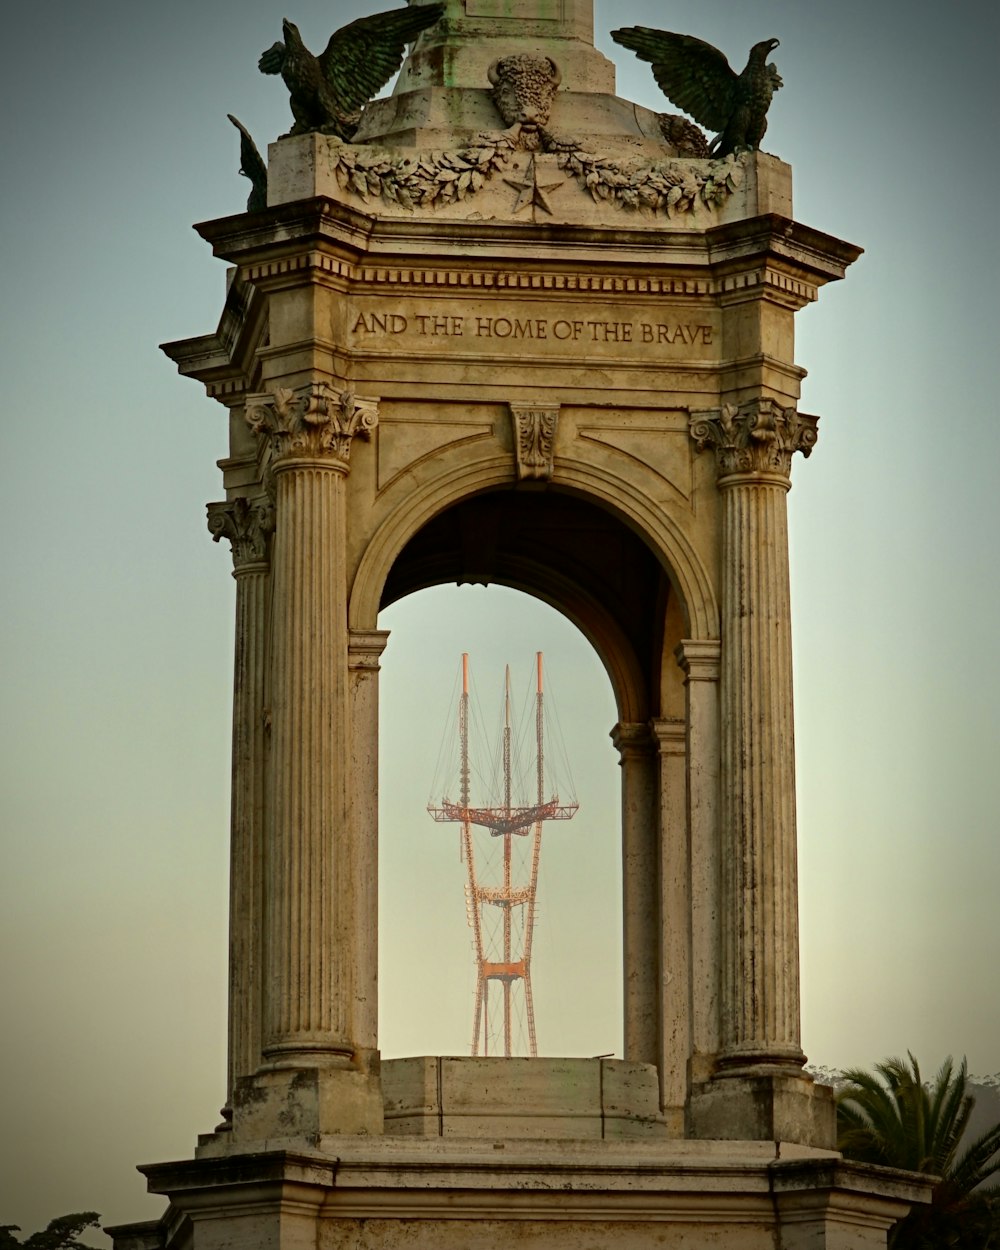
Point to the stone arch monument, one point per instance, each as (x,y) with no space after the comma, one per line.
(514,331)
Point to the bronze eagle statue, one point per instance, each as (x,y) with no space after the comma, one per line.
(698,79)
(329,91)
(252,166)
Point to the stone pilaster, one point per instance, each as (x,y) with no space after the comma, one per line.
(673,875)
(364,649)
(760,1039)
(699,658)
(248,525)
(313,894)
(640,902)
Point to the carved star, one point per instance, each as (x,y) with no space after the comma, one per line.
(529,191)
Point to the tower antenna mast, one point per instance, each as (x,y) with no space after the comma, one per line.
(506,963)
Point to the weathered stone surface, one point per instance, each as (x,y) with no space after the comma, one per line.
(558,1196)
(594,176)
(773,1105)
(517,340)
(502,1099)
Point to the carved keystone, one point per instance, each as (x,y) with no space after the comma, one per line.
(534,439)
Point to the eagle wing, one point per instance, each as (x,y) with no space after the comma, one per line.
(252,166)
(691,73)
(361,58)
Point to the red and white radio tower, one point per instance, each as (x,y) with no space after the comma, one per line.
(505,961)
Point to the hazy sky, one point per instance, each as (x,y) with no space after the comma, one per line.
(116,639)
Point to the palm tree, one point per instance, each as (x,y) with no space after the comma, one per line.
(891,1117)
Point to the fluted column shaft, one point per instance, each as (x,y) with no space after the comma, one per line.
(760,952)
(248,526)
(308,967)
(760,957)
(314,894)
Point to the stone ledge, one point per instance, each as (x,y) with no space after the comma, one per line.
(453,1195)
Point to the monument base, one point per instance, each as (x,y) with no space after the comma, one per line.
(458,1194)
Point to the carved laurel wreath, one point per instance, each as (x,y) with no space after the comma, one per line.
(669,186)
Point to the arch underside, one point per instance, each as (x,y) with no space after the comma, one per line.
(571,554)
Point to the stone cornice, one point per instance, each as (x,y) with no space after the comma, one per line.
(248,524)
(224,360)
(315,422)
(754,440)
(331,237)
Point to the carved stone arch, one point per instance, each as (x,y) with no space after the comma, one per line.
(583,609)
(666,541)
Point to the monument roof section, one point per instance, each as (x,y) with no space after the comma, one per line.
(504,111)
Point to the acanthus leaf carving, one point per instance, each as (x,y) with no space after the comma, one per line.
(248,524)
(316,421)
(534,439)
(758,437)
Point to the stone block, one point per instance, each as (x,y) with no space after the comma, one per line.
(303,1103)
(765,1107)
(521,1099)
(629,1100)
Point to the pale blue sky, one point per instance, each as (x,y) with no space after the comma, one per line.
(116,636)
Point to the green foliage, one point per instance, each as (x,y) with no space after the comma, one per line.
(61,1233)
(891,1117)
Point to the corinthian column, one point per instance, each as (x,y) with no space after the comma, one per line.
(759,1013)
(248,525)
(309,881)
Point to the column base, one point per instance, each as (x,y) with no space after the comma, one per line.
(299,1105)
(779,1107)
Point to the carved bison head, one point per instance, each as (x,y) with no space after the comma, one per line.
(523,87)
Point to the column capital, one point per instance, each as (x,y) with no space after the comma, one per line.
(316,422)
(699,658)
(365,647)
(632,738)
(670,732)
(755,440)
(248,524)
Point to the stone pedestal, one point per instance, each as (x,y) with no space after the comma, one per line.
(357,1194)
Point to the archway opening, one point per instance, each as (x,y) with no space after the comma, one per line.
(427,970)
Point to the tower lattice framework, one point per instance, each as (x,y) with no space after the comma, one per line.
(507,966)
